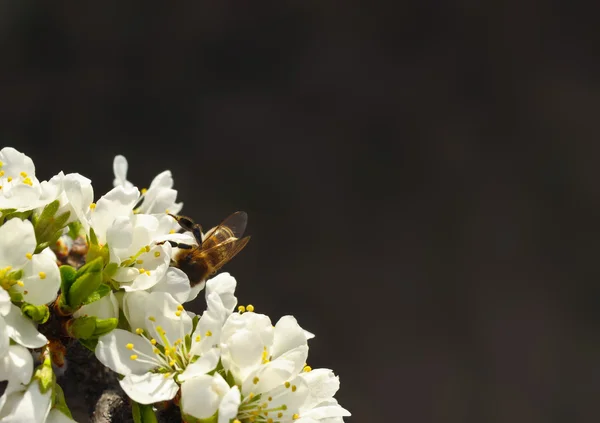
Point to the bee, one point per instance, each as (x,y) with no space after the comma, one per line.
(218,246)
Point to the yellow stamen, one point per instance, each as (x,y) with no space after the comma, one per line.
(250,308)
(255,380)
(180,307)
(208,333)
(157,254)
(153,341)
(141,270)
(9,179)
(178,313)
(293,388)
(198,337)
(172,231)
(27,181)
(307,369)
(92,206)
(20,283)
(296,416)
(241,309)
(144,190)
(29,256)
(287,384)
(140,261)
(42,275)
(129,346)
(23,174)
(152,319)
(133,357)
(139,331)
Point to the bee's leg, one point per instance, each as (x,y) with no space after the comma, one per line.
(177,245)
(189,225)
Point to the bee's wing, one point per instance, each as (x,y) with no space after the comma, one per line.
(225,251)
(236,224)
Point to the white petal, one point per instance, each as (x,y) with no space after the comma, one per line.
(17,239)
(163,308)
(56,416)
(106,307)
(120,170)
(4,339)
(32,406)
(322,385)
(149,387)
(126,274)
(112,352)
(223,284)
(36,290)
(242,354)
(206,363)
(17,365)
(176,283)
(288,335)
(230,404)
(4,302)
(14,162)
(268,376)
(135,307)
(117,202)
(120,233)
(194,291)
(22,330)
(201,396)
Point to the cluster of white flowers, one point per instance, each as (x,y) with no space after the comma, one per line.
(72,267)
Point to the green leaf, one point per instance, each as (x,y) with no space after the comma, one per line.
(93,238)
(103,326)
(82,327)
(143,413)
(68,274)
(95,251)
(45,375)
(102,291)
(90,344)
(39,314)
(88,279)
(59,401)
(49,211)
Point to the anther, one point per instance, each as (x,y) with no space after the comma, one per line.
(92,206)
(250,308)
(141,270)
(23,174)
(9,179)
(21,283)
(255,380)
(27,181)
(140,261)
(152,319)
(29,256)
(287,384)
(139,331)
(42,275)
(241,309)
(153,341)
(129,346)
(208,333)
(133,357)
(293,388)
(180,307)
(296,416)
(144,190)
(157,254)
(307,369)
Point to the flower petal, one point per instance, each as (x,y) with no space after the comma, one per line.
(149,387)
(106,307)
(223,284)
(230,404)
(176,283)
(206,363)
(41,280)
(17,239)
(22,330)
(201,395)
(56,416)
(31,406)
(288,335)
(112,351)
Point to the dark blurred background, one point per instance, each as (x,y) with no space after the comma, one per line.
(421,178)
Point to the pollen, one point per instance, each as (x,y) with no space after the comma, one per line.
(139,331)
(20,283)
(147,248)
(294,388)
(296,416)
(29,256)
(23,174)
(92,206)
(157,254)
(133,357)
(208,333)
(9,179)
(307,369)
(140,261)
(129,346)
(250,308)
(172,231)
(178,313)
(180,307)
(42,275)
(147,272)
(152,318)
(153,341)
(287,384)
(1,173)
(141,270)
(167,211)
(27,181)
(198,337)
(144,190)
(241,309)
(255,380)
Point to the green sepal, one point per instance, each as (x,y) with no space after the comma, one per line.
(82,327)
(90,344)
(88,279)
(229,378)
(16,297)
(103,326)
(93,239)
(110,270)
(188,341)
(59,401)
(102,291)
(95,251)
(68,274)
(142,413)
(191,419)
(74,229)
(43,219)
(39,314)
(45,375)
(195,321)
